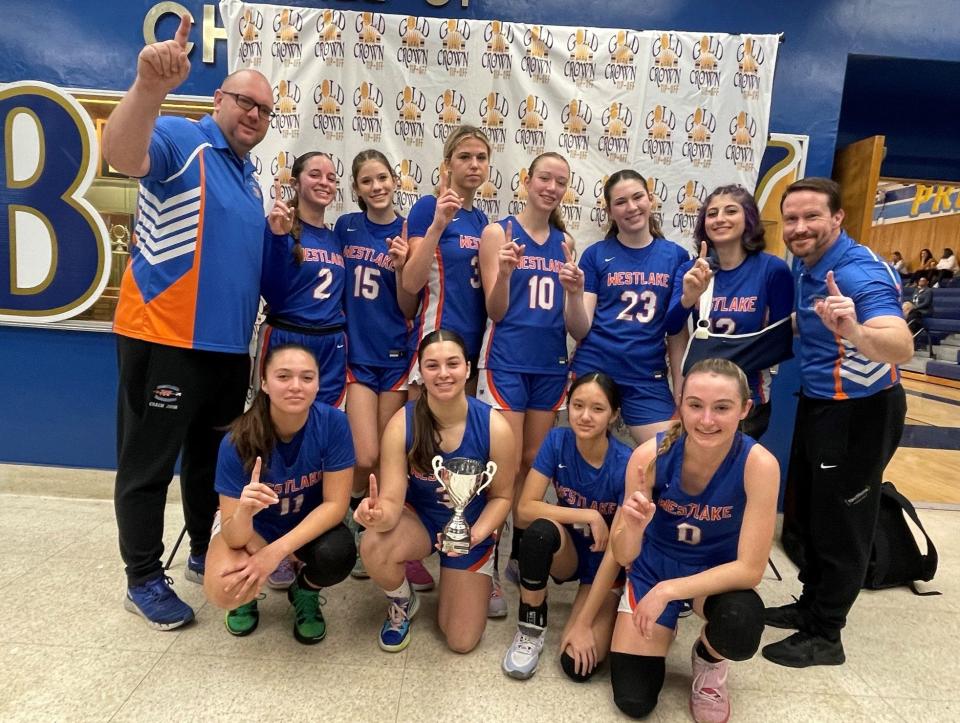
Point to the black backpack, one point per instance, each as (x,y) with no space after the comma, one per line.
(895,558)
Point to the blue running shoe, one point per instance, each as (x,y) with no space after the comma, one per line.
(158,604)
(196,565)
(395,633)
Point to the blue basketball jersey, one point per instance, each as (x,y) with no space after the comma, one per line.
(746,299)
(531,336)
(577,483)
(453,296)
(424,493)
(831,367)
(699,529)
(294,471)
(309,294)
(633,287)
(377,331)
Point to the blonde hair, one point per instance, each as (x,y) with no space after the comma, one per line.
(720,367)
(461,134)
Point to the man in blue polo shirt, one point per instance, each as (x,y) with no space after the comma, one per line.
(849,418)
(187,305)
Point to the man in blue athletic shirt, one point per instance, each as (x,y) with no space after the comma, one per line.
(187,304)
(849,418)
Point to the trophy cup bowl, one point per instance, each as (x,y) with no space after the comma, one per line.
(462,479)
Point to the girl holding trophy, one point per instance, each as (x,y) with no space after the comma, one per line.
(435,463)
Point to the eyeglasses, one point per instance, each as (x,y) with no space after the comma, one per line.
(247,104)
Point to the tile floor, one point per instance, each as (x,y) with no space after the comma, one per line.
(68,650)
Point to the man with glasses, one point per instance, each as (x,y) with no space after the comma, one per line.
(187,305)
(849,418)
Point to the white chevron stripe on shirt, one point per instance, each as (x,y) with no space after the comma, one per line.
(864,380)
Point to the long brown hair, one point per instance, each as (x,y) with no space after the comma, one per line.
(628,174)
(369,154)
(297,228)
(252,433)
(426,428)
(720,367)
(556,218)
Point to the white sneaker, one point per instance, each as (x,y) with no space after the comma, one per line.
(523,655)
(497,606)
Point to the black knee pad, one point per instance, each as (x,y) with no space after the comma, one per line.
(541,540)
(637,680)
(569,667)
(734,623)
(330,557)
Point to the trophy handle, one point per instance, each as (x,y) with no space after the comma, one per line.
(437,464)
(489,472)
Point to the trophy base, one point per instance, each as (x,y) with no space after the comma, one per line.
(458,547)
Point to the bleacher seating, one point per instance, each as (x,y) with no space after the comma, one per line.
(942,330)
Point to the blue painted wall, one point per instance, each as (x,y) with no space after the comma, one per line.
(59,387)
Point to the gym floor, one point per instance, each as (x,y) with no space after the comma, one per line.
(69,651)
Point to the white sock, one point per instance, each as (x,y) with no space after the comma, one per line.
(403,591)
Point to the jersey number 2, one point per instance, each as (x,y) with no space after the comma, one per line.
(326,278)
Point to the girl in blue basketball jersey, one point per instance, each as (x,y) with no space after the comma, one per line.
(616,304)
(443,265)
(523,361)
(566,541)
(696,525)
(404,520)
(303,274)
(283,474)
(374,243)
(752,289)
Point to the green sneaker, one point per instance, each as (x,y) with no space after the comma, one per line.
(309,626)
(243,620)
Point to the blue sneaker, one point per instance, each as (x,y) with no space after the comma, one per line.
(395,633)
(195,568)
(158,604)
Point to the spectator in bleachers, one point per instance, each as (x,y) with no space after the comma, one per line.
(927,265)
(899,264)
(919,306)
(945,268)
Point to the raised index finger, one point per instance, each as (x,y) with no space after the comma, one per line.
(373,488)
(277,190)
(255,474)
(567,256)
(703,250)
(184,30)
(444,177)
(832,288)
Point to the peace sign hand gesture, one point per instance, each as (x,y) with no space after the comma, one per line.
(163,66)
(398,248)
(696,280)
(281,215)
(256,496)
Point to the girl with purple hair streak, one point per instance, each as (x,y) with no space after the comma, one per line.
(752,289)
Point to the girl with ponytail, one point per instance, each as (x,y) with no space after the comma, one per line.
(303,274)
(283,475)
(404,519)
(696,526)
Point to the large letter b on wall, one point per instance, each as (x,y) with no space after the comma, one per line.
(54,250)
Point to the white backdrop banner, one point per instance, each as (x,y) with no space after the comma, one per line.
(689,111)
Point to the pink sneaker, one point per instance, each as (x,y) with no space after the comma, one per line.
(420,578)
(709,700)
